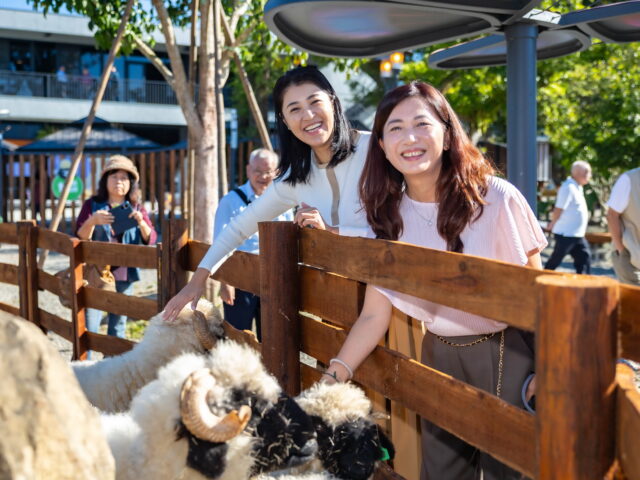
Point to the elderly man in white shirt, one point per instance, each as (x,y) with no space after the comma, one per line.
(569,221)
(240,307)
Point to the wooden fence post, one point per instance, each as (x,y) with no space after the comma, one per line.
(279,302)
(175,238)
(78,310)
(575,366)
(28,271)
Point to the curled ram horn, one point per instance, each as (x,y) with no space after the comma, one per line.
(198,418)
(201,329)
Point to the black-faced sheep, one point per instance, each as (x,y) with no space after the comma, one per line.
(111,383)
(350,442)
(158,439)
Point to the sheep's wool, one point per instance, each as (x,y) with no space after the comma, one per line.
(336,403)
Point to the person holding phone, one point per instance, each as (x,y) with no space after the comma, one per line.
(96,222)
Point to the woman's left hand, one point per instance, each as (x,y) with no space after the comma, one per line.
(308,216)
(137,216)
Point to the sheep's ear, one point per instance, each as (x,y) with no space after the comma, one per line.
(387,451)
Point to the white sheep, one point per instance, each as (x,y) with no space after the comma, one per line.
(158,438)
(111,383)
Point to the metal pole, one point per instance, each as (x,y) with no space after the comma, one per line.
(521,109)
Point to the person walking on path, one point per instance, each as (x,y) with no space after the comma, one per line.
(425,183)
(569,221)
(321,160)
(623,216)
(242,308)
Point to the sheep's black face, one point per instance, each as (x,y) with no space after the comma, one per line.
(207,458)
(285,437)
(351,450)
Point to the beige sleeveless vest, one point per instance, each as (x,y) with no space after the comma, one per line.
(631,219)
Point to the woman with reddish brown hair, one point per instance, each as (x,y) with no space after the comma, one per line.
(425,183)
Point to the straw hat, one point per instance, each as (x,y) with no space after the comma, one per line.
(120,162)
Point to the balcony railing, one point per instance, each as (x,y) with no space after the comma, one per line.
(27,84)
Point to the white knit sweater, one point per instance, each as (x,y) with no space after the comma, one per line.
(342,206)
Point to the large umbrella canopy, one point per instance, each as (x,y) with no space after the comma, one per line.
(103,138)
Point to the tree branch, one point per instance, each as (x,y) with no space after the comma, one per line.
(239,9)
(181,86)
(150,55)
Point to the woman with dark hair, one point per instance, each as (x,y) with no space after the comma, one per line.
(425,183)
(94,223)
(320,164)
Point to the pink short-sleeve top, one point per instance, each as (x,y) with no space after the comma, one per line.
(507,230)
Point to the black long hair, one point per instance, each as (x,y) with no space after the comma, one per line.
(295,155)
(103,194)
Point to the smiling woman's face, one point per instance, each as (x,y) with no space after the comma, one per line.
(414,138)
(308,112)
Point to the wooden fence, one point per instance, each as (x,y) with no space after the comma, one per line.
(164,182)
(587,425)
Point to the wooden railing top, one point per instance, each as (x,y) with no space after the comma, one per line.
(9,233)
(490,288)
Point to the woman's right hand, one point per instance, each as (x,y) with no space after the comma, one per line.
(101,217)
(191,292)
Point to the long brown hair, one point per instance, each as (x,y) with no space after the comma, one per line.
(461,184)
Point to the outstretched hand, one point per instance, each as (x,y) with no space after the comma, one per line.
(191,292)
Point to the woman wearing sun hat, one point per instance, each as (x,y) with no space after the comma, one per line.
(95,223)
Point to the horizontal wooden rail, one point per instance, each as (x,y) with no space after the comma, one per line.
(9,273)
(479,418)
(598,238)
(108,344)
(58,325)
(10,309)
(629,322)
(50,283)
(55,241)
(493,289)
(119,303)
(104,253)
(241,270)
(331,297)
(628,422)
(9,233)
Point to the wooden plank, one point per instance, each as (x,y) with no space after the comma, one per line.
(598,238)
(476,416)
(629,322)
(9,273)
(162,185)
(575,372)
(242,336)
(279,302)
(51,174)
(119,303)
(308,376)
(493,289)
(105,253)
(142,168)
(172,180)
(50,283)
(22,188)
(628,422)
(331,297)
(109,345)
(56,241)
(58,325)
(23,267)
(182,163)
(175,237)
(43,189)
(78,310)
(32,186)
(152,186)
(241,270)
(9,233)
(10,309)
(12,190)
